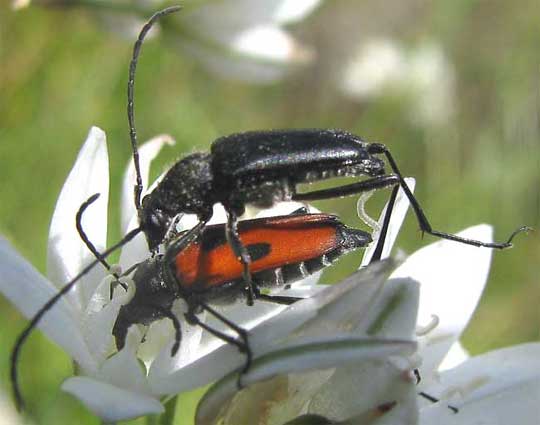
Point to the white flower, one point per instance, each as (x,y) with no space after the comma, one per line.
(502,386)
(245,39)
(382,66)
(235,39)
(450,276)
(115,386)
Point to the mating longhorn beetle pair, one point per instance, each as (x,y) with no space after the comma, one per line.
(261,168)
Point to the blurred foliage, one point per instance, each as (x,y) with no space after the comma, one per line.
(61,73)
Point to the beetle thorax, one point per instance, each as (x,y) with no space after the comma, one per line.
(186,188)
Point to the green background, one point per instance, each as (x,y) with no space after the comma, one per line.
(61,72)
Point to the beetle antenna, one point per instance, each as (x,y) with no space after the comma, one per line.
(131,95)
(82,233)
(14,358)
(90,245)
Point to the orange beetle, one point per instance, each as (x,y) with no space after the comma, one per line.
(283,249)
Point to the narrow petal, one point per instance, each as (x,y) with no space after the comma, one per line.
(393,312)
(66,253)
(452,277)
(235,14)
(399,212)
(159,340)
(147,153)
(501,387)
(135,250)
(100,316)
(223,64)
(455,356)
(109,402)
(123,369)
(269,43)
(317,355)
(294,10)
(28,290)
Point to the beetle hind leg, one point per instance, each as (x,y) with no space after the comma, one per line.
(425,226)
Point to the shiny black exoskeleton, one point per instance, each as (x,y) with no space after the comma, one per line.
(261,167)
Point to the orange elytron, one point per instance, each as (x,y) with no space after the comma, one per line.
(284,247)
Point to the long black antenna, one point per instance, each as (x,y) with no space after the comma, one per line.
(131,95)
(14,359)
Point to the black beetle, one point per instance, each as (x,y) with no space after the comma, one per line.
(261,167)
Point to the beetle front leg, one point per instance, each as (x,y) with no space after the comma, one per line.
(241,253)
(177,328)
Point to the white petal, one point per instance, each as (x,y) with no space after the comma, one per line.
(355,390)
(221,18)
(500,387)
(401,206)
(109,402)
(318,355)
(100,316)
(9,415)
(327,310)
(66,253)
(294,10)
(393,313)
(136,250)
(372,69)
(223,64)
(268,43)
(147,153)
(452,277)
(29,291)
(363,305)
(160,340)
(456,355)
(123,369)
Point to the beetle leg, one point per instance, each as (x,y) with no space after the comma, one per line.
(300,211)
(242,344)
(423,222)
(278,299)
(378,182)
(177,328)
(241,253)
(377,254)
(172,233)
